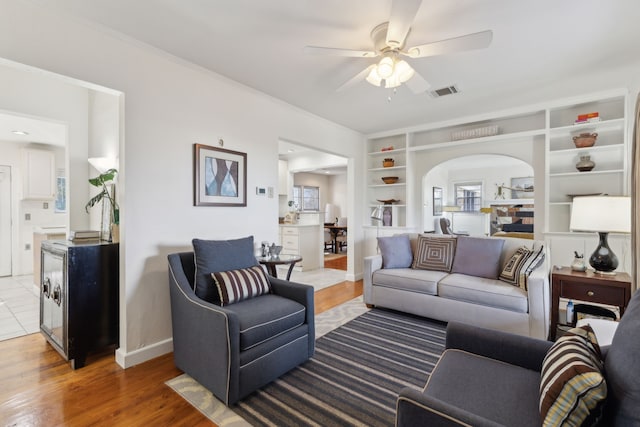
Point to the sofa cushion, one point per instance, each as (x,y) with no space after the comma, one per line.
(237,285)
(266,317)
(219,255)
(503,393)
(572,387)
(477,256)
(434,253)
(395,251)
(421,281)
(480,290)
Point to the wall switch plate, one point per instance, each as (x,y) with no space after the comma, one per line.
(261,191)
(27,217)
(270,192)
(45,205)
(27,247)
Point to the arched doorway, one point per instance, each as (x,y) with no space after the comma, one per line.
(472,191)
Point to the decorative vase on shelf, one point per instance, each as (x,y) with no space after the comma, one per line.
(585,140)
(578,263)
(585,164)
(387,163)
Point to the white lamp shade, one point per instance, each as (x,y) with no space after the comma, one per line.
(608,214)
(373,77)
(386,67)
(330,213)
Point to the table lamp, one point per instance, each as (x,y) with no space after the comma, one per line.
(604,215)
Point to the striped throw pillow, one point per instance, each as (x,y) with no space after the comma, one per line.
(517,268)
(237,285)
(572,387)
(434,253)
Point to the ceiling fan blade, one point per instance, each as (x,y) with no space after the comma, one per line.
(417,84)
(403,12)
(317,50)
(456,44)
(356,79)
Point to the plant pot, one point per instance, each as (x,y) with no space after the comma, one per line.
(387,163)
(585,164)
(585,140)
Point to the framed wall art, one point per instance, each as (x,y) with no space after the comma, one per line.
(220,176)
(522,188)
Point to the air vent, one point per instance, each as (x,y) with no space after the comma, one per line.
(449,90)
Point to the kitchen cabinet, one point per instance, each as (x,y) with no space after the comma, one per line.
(303,240)
(38,177)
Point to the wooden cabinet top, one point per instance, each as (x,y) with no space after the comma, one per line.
(589,276)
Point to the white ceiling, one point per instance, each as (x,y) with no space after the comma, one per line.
(541,50)
(38,130)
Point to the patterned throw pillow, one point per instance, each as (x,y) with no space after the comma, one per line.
(237,285)
(434,253)
(572,387)
(517,268)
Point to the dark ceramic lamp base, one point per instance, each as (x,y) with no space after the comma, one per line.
(603,260)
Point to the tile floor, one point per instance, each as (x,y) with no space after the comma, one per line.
(19,307)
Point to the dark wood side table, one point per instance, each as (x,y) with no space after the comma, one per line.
(272,262)
(587,286)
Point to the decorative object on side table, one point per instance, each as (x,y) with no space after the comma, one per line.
(110,222)
(390,179)
(578,262)
(388,162)
(585,164)
(585,140)
(604,215)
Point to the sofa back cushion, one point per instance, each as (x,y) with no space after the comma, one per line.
(396,251)
(622,367)
(434,253)
(478,256)
(212,256)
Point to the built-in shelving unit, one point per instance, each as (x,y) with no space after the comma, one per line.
(551,124)
(610,174)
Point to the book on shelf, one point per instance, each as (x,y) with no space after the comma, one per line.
(84,234)
(591,120)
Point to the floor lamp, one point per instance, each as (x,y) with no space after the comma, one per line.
(604,215)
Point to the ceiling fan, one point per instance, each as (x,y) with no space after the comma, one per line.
(389,40)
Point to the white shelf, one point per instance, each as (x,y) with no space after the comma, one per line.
(602,125)
(387,169)
(486,139)
(401,184)
(578,173)
(388,152)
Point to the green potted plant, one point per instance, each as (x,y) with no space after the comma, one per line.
(103,181)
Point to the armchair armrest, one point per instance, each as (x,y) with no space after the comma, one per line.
(514,349)
(539,299)
(371,264)
(204,336)
(415,408)
(303,294)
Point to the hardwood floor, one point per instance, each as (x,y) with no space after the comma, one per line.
(38,388)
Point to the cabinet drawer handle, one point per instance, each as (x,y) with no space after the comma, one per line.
(590,293)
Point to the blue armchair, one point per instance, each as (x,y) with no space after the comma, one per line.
(235,349)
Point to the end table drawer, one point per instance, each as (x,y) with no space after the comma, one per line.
(593,293)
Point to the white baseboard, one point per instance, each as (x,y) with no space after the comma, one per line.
(127,360)
(354,277)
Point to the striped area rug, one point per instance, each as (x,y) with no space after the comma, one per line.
(354,377)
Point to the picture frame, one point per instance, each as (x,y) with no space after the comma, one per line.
(220,176)
(437,201)
(522,188)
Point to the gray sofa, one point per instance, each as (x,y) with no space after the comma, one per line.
(490,378)
(464,298)
(233,350)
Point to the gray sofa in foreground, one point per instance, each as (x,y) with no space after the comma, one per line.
(235,349)
(452,296)
(491,378)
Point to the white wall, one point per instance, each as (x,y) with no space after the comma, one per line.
(169,106)
(338,194)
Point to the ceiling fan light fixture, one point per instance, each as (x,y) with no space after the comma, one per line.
(386,67)
(373,77)
(403,71)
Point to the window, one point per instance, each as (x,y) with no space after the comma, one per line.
(306,198)
(469,196)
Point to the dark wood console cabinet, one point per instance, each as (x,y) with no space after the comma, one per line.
(79,297)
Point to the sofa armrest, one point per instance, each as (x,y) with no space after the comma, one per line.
(539,300)
(371,265)
(514,349)
(302,294)
(413,408)
(204,335)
